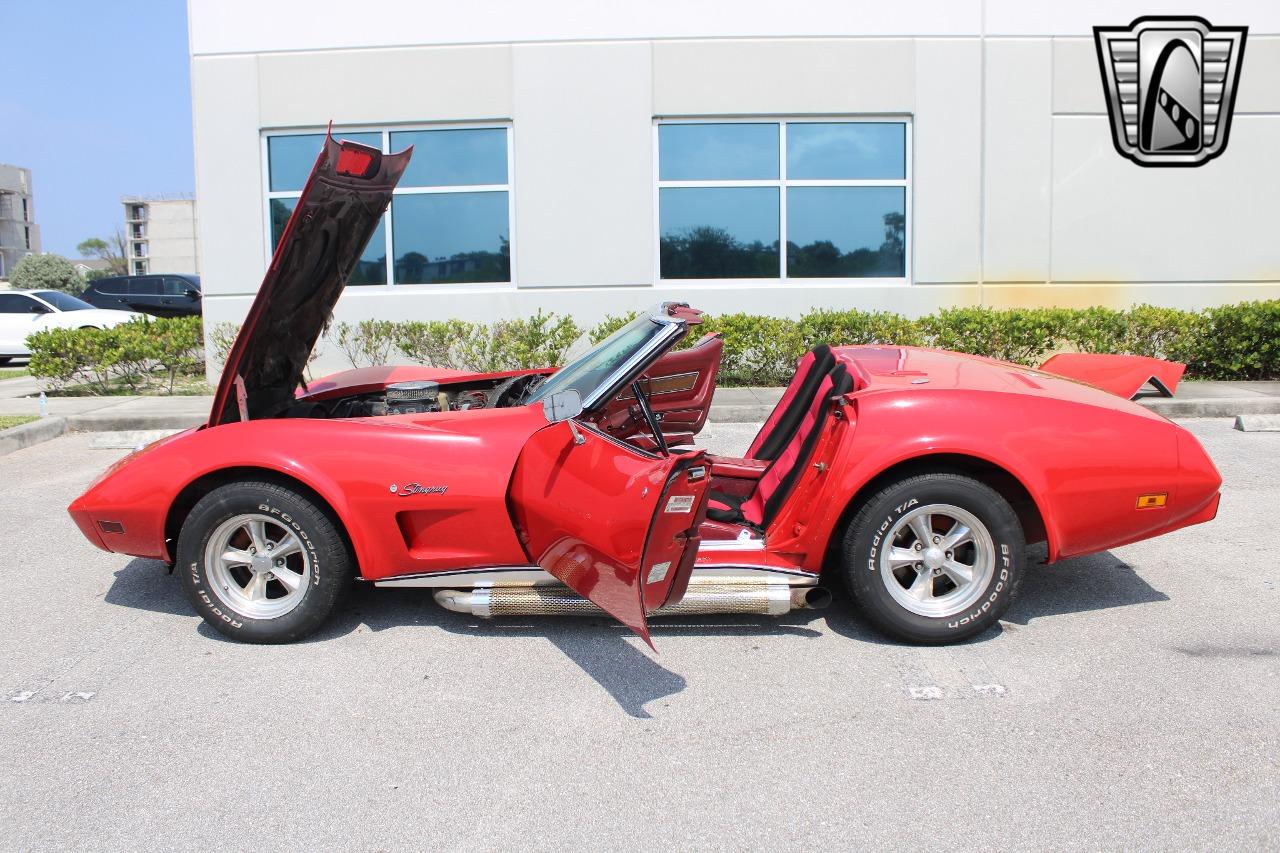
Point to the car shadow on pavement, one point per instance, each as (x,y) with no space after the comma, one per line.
(1078,585)
(607,652)
(147,585)
(603,649)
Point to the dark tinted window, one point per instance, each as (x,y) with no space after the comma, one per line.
(63,301)
(372,266)
(290,158)
(175,287)
(116,286)
(451,237)
(145,287)
(15,303)
(453,157)
(281,210)
(846,232)
(846,150)
(719,232)
(706,152)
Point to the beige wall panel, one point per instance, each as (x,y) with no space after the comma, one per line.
(783,77)
(583,165)
(382,86)
(947,162)
(1018,166)
(228,173)
(1116,221)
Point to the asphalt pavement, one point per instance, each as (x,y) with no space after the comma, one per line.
(1130,699)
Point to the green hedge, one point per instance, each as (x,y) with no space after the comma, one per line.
(1229,342)
(141,355)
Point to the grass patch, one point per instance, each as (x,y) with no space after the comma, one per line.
(13,372)
(8,421)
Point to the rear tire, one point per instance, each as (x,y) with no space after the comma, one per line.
(934,559)
(261,563)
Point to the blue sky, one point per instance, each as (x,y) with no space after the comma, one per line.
(97,103)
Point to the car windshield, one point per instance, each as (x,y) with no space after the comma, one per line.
(588,372)
(63,301)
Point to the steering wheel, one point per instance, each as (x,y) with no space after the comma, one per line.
(650,418)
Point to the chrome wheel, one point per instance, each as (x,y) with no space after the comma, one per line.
(937,560)
(257,566)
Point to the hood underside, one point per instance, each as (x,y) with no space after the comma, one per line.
(339,209)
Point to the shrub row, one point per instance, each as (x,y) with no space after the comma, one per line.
(142,354)
(1228,342)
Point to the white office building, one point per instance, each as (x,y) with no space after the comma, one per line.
(752,156)
(161,234)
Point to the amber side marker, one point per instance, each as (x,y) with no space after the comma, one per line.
(111,527)
(1152,501)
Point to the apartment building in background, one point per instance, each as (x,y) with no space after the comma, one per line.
(19,234)
(747,156)
(161,234)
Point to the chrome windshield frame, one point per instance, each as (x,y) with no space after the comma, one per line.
(672,330)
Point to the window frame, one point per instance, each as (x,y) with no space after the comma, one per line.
(386,130)
(782,183)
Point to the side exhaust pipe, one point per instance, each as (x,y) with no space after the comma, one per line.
(768,599)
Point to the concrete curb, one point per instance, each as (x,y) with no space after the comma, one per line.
(1213,407)
(125,421)
(19,437)
(1258,423)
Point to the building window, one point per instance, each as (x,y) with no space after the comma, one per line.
(138,211)
(26,235)
(450,217)
(791,198)
(26,214)
(139,267)
(139,250)
(139,231)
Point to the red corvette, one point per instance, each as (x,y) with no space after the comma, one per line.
(918,476)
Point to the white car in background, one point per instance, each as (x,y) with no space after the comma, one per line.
(23,312)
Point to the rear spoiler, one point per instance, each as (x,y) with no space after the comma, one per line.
(1122,375)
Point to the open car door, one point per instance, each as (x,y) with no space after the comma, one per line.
(679,387)
(616,524)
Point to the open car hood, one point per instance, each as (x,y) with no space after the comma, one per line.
(339,209)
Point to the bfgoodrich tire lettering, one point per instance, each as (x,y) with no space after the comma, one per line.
(262,563)
(935,558)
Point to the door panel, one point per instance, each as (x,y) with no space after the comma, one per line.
(16,322)
(603,518)
(679,386)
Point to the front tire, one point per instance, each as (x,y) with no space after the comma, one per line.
(261,563)
(934,559)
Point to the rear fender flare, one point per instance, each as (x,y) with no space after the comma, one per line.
(873,474)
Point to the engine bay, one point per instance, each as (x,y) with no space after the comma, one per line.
(419,397)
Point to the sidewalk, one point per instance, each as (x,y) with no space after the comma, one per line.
(730,405)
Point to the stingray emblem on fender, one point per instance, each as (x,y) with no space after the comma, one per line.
(1170,85)
(416,489)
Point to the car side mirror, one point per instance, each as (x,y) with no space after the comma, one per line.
(37,308)
(193,295)
(562,406)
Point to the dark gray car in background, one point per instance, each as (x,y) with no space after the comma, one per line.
(160,294)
